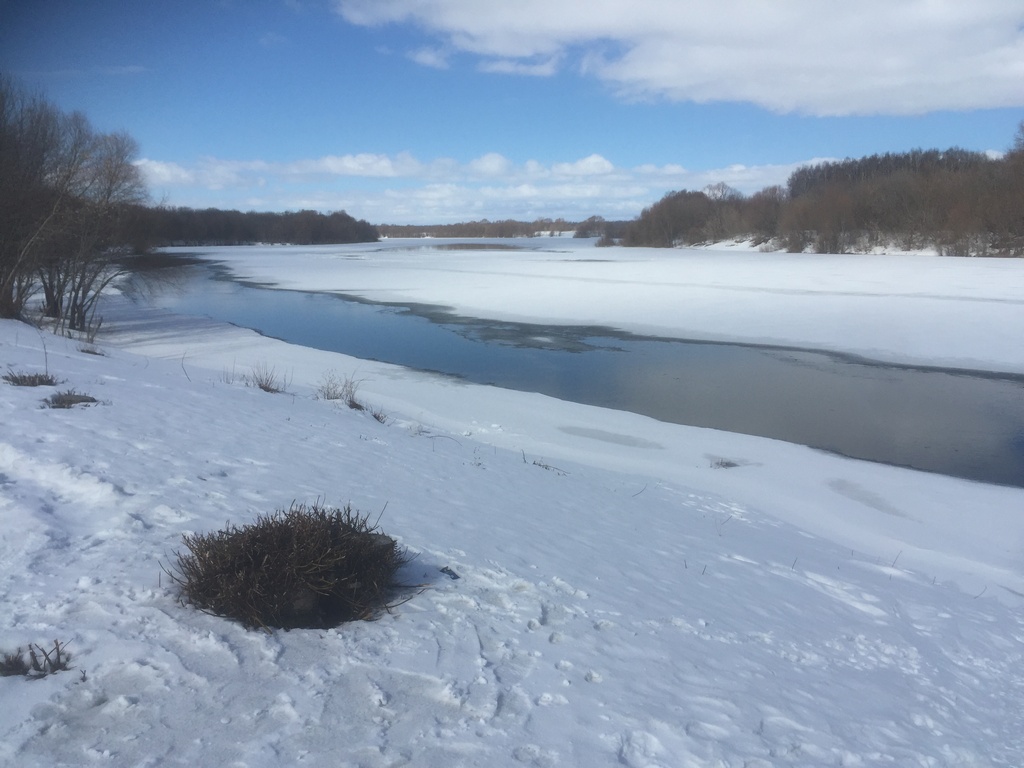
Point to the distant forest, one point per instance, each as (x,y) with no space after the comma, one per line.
(482,228)
(961,203)
(145,227)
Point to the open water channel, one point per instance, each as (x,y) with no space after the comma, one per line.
(964,423)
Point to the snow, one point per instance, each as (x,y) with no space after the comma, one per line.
(626,596)
(906,307)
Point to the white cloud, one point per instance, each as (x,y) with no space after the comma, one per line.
(661,170)
(208,173)
(430,57)
(491,164)
(589,166)
(221,174)
(364,164)
(161,174)
(809,56)
(402,189)
(544,68)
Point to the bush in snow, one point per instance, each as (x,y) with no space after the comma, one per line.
(334,387)
(266,378)
(313,567)
(40,662)
(29,379)
(69,399)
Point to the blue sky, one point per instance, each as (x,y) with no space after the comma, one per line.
(416,111)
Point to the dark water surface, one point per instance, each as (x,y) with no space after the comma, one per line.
(961,423)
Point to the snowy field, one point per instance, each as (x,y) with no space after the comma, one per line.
(632,592)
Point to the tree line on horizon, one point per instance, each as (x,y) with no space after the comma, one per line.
(148,227)
(959,202)
(482,228)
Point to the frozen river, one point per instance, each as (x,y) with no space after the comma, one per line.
(966,423)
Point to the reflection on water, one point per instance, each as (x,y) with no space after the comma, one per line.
(957,423)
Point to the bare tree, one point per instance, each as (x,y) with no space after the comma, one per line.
(67,181)
(62,190)
(104,183)
(1018,139)
(29,127)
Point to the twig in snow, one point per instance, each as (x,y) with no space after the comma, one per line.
(542,465)
(378,516)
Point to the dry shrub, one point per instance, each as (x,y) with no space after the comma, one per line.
(69,399)
(344,388)
(267,379)
(335,387)
(310,566)
(30,379)
(40,662)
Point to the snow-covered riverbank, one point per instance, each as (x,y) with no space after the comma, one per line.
(631,593)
